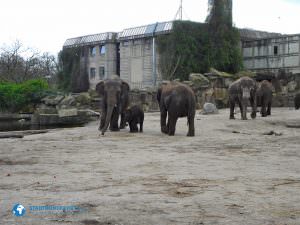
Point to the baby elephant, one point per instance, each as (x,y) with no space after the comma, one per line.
(133,116)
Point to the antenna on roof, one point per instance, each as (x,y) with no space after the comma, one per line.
(179,12)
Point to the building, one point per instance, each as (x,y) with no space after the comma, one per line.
(131,54)
(99,55)
(272,54)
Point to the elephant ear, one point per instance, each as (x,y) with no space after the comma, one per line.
(100,88)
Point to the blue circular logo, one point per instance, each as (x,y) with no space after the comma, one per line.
(19,210)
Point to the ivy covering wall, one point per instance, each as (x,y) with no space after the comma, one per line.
(73,74)
(195,47)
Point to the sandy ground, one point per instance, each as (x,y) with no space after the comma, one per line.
(229,173)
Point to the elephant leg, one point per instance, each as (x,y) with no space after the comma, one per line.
(231,105)
(253,105)
(241,108)
(269,108)
(123,122)
(163,117)
(172,120)
(133,126)
(244,110)
(263,108)
(102,120)
(114,120)
(141,126)
(191,124)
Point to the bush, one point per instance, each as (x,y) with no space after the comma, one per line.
(13,97)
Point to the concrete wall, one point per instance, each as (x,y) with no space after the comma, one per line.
(108,60)
(273,54)
(136,62)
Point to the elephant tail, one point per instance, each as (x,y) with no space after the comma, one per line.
(191,110)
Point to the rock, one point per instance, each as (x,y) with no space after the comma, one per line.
(46,109)
(52,100)
(68,102)
(291,86)
(187,82)
(209,108)
(67,112)
(83,99)
(198,80)
(209,95)
(215,72)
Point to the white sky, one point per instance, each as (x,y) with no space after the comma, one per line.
(45,25)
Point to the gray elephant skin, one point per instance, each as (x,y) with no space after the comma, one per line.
(176,100)
(240,92)
(264,97)
(297,101)
(134,115)
(115,94)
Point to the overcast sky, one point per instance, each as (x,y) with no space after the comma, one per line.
(45,25)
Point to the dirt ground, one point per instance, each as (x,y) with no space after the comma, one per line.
(232,172)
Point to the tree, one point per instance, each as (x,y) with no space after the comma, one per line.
(19,63)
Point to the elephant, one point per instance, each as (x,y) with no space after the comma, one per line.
(115,93)
(240,91)
(134,115)
(297,101)
(264,97)
(176,100)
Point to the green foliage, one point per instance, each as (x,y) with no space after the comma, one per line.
(194,48)
(13,96)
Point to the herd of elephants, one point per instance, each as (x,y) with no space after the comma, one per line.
(176,100)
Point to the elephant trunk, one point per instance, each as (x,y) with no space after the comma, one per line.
(107,119)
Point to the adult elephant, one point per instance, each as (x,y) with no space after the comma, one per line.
(264,97)
(297,101)
(114,92)
(240,91)
(176,100)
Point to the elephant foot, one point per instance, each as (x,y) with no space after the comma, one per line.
(190,134)
(164,130)
(123,126)
(244,118)
(134,131)
(113,129)
(231,118)
(253,115)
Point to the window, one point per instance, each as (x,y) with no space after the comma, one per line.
(93,51)
(101,72)
(102,49)
(275,50)
(92,73)
(125,43)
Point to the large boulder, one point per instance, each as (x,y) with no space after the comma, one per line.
(209,108)
(291,86)
(67,112)
(46,109)
(68,102)
(198,80)
(52,100)
(83,99)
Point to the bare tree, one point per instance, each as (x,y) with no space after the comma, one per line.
(19,63)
